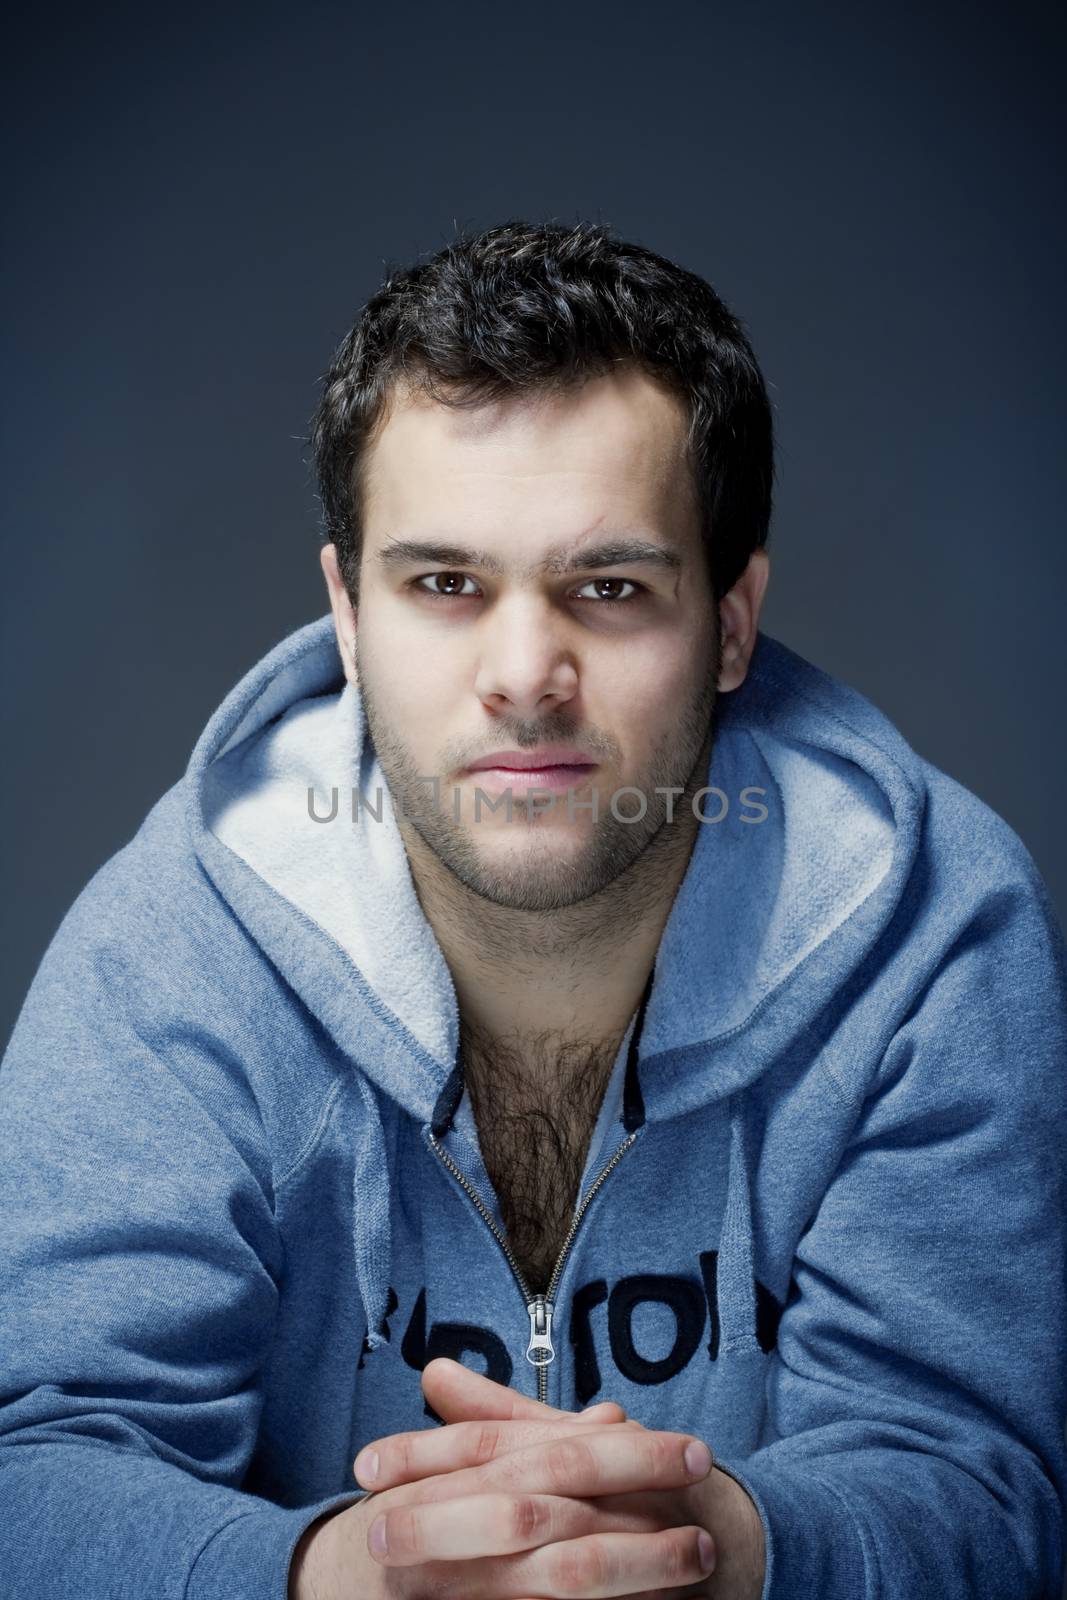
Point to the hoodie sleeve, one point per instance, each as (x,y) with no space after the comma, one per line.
(139,1272)
(918,1386)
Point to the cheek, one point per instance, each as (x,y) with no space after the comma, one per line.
(669,654)
(653,687)
(415,704)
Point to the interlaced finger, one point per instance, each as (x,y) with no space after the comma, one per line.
(586,1568)
(609,1460)
(424,1452)
(490,1525)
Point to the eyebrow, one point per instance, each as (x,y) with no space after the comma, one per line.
(572,558)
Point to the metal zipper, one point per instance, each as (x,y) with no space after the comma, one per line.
(539,1307)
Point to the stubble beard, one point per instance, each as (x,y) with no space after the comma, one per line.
(546,873)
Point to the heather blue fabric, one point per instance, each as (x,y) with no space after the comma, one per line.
(832,1243)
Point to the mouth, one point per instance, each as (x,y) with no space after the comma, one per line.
(556,776)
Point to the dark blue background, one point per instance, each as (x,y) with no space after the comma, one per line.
(199,203)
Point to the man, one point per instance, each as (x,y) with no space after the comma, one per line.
(560,1099)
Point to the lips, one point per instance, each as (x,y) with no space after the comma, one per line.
(552,758)
(497,780)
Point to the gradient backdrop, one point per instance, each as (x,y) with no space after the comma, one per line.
(199,203)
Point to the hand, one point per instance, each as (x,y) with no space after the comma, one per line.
(516,1475)
(716,1503)
(333,1561)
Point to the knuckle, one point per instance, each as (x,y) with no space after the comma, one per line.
(484,1441)
(529,1519)
(397,1458)
(404,1532)
(680,1559)
(568,1458)
(580,1567)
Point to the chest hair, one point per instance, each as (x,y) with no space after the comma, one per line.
(535,1102)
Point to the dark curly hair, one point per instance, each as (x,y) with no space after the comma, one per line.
(541,306)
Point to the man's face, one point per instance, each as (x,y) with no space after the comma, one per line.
(461,656)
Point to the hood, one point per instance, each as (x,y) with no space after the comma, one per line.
(771,918)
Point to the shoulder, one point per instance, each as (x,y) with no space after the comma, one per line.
(972,851)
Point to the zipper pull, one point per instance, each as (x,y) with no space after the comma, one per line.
(540,1350)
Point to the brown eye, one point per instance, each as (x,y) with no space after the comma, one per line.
(439,594)
(613,599)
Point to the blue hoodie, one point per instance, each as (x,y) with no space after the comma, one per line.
(821,1225)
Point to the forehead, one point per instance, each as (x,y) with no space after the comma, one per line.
(612,448)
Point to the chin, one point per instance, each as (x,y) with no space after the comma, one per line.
(545,876)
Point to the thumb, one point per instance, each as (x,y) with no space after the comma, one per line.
(459,1395)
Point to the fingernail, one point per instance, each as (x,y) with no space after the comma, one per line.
(706,1551)
(698,1458)
(367,1466)
(378,1542)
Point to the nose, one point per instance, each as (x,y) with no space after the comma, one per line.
(524,658)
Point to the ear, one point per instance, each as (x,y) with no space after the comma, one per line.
(739,612)
(344,616)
